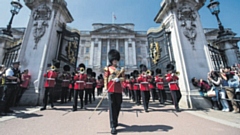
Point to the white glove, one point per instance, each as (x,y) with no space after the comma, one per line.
(172,74)
(116,79)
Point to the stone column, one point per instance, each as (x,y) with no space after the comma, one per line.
(99,52)
(117,48)
(108,49)
(91,55)
(134,53)
(126,52)
(40,43)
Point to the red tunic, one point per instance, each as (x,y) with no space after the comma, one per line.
(129,85)
(172,82)
(80,80)
(151,86)
(89,83)
(66,78)
(124,84)
(99,83)
(26,80)
(50,81)
(159,82)
(113,87)
(144,82)
(135,85)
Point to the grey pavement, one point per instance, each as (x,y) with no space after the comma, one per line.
(132,121)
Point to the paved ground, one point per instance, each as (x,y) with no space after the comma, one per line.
(133,121)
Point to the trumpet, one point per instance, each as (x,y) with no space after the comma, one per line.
(177,73)
(149,72)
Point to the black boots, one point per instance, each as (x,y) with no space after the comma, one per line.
(113,131)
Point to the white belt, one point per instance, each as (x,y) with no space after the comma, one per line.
(50,78)
(159,82)
(136,83)
(66,80)
(173,82)
(89,83)
(79,81)
(144,82)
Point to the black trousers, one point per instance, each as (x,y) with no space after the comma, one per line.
(98,91)
(88,96)
(64,94)
(93,93)
(126,91)
(176,96)
(114,103)
(137,96)
(48,93)
(20,93)
(153,92)
(145,98)
(162,96)
(133,95)
(75,99)
(71,94)
(10,92)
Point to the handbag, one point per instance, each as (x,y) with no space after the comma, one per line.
(211,92)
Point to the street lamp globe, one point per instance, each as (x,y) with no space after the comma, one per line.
(214,7)
(16,6)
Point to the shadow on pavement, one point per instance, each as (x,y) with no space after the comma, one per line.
(144,128)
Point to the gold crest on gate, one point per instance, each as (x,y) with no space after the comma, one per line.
(155,52)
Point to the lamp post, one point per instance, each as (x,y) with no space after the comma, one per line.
(215,10)
(16,6)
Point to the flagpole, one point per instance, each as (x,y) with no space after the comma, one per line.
(112,18)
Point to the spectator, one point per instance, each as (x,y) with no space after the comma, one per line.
(220,89)
(233,82)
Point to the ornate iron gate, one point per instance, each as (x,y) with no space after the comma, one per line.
(217,56)
(11,54)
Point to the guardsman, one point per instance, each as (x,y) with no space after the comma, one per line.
(66,78)
(152,85)
(12,79)
(160,86)
(24,85)
(88,87)
(113,76)
(94,84)
(99,85)
(71,87)
(172,80)
(144,80)
(49,85)
(79,85)
(136,87)
(124,85)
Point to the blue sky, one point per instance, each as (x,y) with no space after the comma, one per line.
(139,12)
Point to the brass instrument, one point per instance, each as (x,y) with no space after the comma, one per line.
(82,70)
(149,72)
(177,73)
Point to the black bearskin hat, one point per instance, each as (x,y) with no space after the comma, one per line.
(127,76)
(170,67)
(93,74)
(99,77)
(113,55)
(81,65)
(152,72)
(158,71)
(66,68)
(55,65)
(135,73)
(89,71)
(194,82)
(143,68)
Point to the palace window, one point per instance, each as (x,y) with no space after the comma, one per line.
(122,63)
(104,49)
(83,41)
(86,62)
(121,49)
(139,62)
(138,50)
(87,50)
(103,62)
(96,45)
(129,45)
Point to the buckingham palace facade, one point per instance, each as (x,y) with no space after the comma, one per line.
(95,44)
